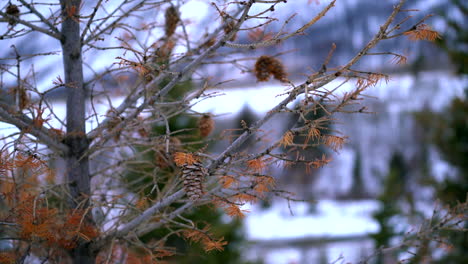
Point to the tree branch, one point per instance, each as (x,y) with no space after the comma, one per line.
(41,17)
(30,25)
(320,82)
(26,124)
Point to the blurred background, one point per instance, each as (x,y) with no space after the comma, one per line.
(400,163)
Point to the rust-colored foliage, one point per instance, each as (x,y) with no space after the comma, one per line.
(204,237)
(257,165)
(228,181)
(318,163)
(423,32)
(38,119)
(333,142)
(264,184)
(234,211)
(35,221)
(50,228)
(267,66)
(399,59)
(259,34)
(8,257)
(370,80)
(312,134)
(287,139)
(181,159)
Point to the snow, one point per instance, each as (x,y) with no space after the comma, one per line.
(294,233)
(401,91)
(330,218)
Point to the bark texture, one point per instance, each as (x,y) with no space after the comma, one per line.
(76,140)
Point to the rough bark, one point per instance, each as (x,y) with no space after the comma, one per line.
(77,162)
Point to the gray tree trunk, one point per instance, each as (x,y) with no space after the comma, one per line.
(77,163)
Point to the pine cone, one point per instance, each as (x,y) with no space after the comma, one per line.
(266,66)
(228,27)
(172,19)
(163,53)
(193,176)
(12,10)
(205,125)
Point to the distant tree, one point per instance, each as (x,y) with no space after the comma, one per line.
(447,131)
(65,198)
(455,37)
(390,199)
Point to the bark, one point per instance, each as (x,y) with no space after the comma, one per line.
(77,162)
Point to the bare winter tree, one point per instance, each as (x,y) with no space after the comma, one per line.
(65,194)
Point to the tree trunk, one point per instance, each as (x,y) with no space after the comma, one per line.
(77,162)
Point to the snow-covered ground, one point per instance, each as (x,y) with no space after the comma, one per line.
(324,218)
(307,232)
(405,92)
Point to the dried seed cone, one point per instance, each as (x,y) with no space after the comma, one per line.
(193,176)
(210,42)
(172,19)
(23,98)
(228,27)
(205,125)
(266,66)
(12,10)
(163,53)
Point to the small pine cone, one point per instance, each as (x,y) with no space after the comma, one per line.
(266,66)
(172,19)
(228,27)
(278,71)
(261,68)
(163,53)
(12,10)
(24,100)
(205,125)
(193,176)
(209,43)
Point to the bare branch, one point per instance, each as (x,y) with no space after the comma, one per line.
(26,124)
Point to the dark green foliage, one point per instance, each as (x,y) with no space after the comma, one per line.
(455,39)
(193,253)
(302,174)
(358,187)
(450,136)
(394,188)
(448,132)
(142,177)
